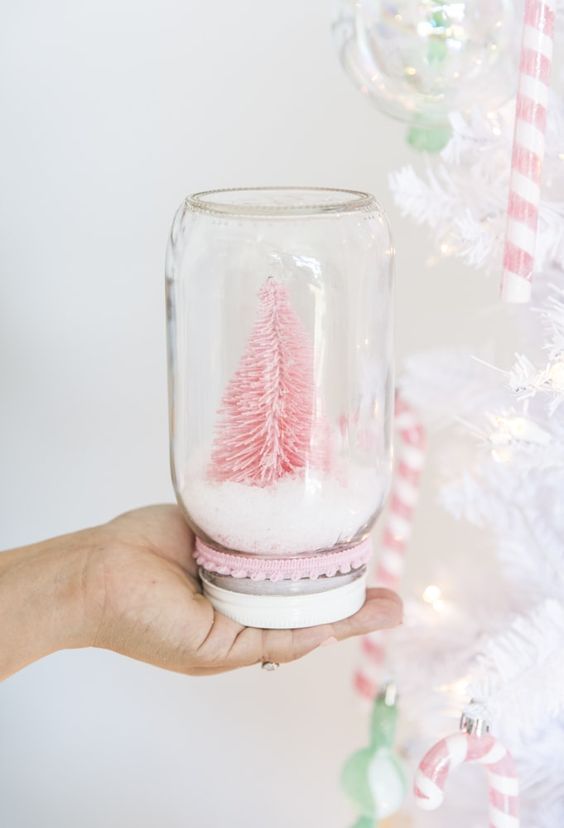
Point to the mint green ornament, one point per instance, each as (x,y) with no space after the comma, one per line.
(427,136)
(432,134)
(374,778)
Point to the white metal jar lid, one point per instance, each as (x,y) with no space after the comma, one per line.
(281,612)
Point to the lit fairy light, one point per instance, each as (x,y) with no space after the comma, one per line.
(526,380)
(433,595)
(493,118)
(457,11)
(448,245)
(502,455)
(556,376)
(455,695)
(500,433)
(518,427)
(508,432)
(512,429)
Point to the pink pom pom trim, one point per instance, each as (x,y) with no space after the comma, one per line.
(283,569)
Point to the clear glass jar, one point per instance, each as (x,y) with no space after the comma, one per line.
(279,329)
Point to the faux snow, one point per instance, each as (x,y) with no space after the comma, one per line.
(296,514)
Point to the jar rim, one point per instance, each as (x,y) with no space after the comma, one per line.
(281,201)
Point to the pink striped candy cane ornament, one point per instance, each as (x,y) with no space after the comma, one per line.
(459,748)
(528,150)
(395,538)
(403,497)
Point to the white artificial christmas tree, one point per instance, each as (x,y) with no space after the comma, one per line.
(497,633)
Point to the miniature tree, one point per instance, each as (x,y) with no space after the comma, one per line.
(266,416)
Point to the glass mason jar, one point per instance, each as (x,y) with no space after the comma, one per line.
(280,376)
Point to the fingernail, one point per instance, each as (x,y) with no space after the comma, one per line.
(331,640)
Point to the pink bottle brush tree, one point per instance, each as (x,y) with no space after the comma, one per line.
(267,416)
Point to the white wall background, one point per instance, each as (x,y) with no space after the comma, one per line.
(111,113)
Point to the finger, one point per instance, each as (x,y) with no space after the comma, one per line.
(243,646)
(381,610)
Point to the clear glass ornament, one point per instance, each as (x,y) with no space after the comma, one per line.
(279,325)
(418,60)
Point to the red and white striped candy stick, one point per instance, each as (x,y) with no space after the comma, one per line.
(528,150)
(397,531)
(403,497)
(452,751)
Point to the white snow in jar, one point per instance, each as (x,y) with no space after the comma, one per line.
(294,515)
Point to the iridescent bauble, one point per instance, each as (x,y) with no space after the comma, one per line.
(418,60)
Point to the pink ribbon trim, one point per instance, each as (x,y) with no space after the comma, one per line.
(279,569)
